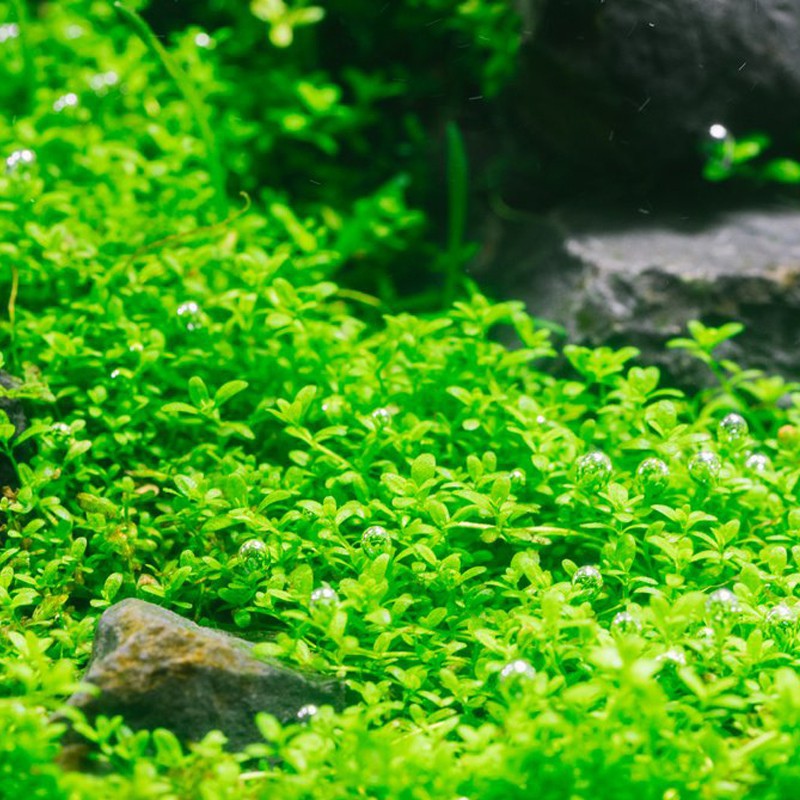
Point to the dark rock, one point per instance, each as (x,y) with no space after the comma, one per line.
(629,88)
(623,277)
(157,669)
(16,415)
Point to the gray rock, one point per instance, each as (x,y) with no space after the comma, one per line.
(632,86)
(621,277)
(157,669)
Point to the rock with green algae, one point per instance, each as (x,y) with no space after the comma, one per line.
(159,670)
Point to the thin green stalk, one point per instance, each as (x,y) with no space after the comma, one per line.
(186,88)
(457,179)
(28,64)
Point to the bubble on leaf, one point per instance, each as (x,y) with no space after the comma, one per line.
(254,554)
(115,374)
(781,617)
(515,675)
(517,477)
(653,475)
(704,467)
(382,416)
(722,607)
(203,40)
(69,100)
(306,713)
(594,469)
(732,429)
(20,160)
(61,429)
(588,580)
(674,657)
(541,419)
(625,624)
(323,598)
(191,315)
(8,31)
(758,462)
(375,541)
(136,347)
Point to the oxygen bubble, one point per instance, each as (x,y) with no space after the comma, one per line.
(722,607)
(9,31)
(672,657)
(254,554)
(541,419)
(203,40)
(781,617)
(116,373)
(516,674)
(136,347)
(191,315)
(73,32)
(625,624)
(653,475)
(718,132)
(732,429)
(594,469)
(704,467)
(19,160)
(69,100)
(588,580)
(375,541)
(103,81)
(758,462)
(518,477)
(382,416)
(324,598)
(306,713)
(61,429)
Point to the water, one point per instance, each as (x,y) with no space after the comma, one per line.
(375,541)
(594,469)
(704,467)
(653,475)
(588,581)
(254,555)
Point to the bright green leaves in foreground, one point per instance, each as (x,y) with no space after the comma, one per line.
(535,586)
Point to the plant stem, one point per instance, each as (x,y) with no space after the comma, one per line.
(28,64)
(457,177)
(193,99)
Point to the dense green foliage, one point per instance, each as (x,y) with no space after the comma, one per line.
(527,604)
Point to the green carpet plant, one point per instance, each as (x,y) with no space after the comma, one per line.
(541,571)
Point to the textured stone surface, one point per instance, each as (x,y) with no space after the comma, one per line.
(16,415)
(633,85)
(157,669)
(619,276)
